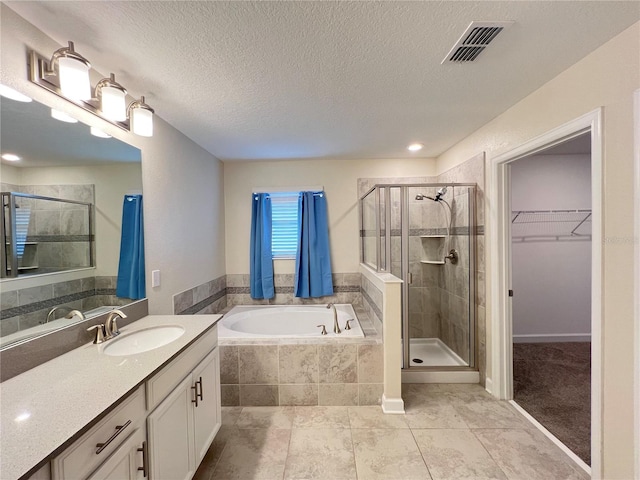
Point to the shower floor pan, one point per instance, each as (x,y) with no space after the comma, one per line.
(434,353)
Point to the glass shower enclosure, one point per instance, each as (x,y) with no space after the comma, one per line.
(424,234)
(44,234)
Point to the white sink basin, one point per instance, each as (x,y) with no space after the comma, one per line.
(142,340)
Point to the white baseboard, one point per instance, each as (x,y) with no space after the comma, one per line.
(553,438)
(441,377)
(488,385)
(392,405)
(552,338)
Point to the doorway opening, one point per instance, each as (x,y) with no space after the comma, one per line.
(501,381)
(551,284)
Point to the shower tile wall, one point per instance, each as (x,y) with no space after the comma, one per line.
(58,230)
(471,171)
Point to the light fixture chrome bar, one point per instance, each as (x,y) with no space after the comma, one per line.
(40,74)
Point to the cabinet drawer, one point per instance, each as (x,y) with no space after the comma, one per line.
(81,458)
(163,382)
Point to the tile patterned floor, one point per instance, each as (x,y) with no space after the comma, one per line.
(449,432)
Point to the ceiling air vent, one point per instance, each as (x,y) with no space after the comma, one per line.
(474,40)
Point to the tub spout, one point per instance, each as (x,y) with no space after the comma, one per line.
(336,327)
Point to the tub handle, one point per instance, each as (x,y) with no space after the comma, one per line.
(348,324)
(324,329)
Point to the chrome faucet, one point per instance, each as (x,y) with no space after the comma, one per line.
(69,315)
(110,326)
(336,327)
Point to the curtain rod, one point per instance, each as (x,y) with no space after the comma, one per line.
(314,188)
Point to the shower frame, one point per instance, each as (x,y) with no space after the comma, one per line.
(9,260)
(406,274)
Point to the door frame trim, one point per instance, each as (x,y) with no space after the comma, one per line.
(499,253)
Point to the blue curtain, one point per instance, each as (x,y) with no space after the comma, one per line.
(313,260)
(261,269)
(131,279)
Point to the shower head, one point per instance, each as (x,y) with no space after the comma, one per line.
(440,193)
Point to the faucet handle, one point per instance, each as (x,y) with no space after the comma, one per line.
(324,329)
(347,326)
(114,327)
(99,333)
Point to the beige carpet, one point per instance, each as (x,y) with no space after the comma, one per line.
(552,382)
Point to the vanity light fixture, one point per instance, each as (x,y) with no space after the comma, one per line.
(11,157)
(141,116)
(112,98)
(67,75)
(12,94)
(415,147)
(72,70)
(63,117)
(96,132)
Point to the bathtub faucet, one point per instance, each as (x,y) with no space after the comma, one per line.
(336,327)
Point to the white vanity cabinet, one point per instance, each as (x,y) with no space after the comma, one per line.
(182,426)
(128,462)
(103,440)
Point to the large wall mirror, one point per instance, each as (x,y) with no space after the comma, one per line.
(62,214)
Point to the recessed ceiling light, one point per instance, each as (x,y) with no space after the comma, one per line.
(414,147)
(96,132)
(10,157)
(63,117)
(9,92)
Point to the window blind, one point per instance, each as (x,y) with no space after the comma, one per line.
(284,224)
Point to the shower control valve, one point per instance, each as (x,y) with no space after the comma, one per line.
(452,257)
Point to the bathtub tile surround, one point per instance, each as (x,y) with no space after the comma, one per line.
(346,289)
(28,307)
(298,364)
(372,301)
(206,298)
(301,374)
(258,364)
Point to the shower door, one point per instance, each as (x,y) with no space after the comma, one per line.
(439,270)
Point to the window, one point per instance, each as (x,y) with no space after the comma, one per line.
(284,224)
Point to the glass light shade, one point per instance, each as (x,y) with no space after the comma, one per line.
(9,92)
(113,104)
(142,122)
(74,79)
(63,117)
(96,132)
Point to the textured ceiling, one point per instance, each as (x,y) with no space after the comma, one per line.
(273,80)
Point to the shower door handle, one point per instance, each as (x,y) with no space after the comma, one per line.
(409,278)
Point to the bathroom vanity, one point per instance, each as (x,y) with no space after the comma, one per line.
(102,412)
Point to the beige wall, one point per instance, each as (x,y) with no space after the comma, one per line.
(182,182)
(607,77)
(339,178)
(111,184)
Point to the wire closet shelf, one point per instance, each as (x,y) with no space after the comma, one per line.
(550,225)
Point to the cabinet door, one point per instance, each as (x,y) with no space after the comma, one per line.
(207,412)
(170,428)
(127,462)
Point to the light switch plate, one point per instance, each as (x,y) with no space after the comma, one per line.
(155,278)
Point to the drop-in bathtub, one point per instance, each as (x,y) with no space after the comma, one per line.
(287,321)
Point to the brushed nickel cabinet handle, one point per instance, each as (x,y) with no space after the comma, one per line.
(101,446)
(200,394)
(145,465)
(195,391)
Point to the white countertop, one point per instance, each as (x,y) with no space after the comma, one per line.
(46,406)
